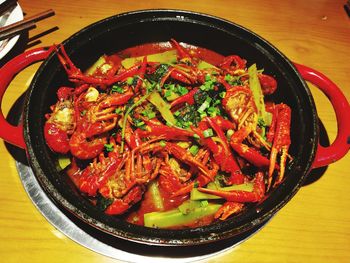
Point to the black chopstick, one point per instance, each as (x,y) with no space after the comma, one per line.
(7,5)
(347,8)
(23,25)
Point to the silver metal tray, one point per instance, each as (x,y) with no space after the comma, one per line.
(113,247)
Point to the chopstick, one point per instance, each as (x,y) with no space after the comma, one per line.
(6,5)
(25,24)
(347,8)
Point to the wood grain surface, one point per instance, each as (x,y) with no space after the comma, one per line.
(313,227)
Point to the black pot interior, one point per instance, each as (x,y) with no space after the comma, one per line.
(119,32)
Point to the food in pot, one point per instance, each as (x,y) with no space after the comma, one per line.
(170,135)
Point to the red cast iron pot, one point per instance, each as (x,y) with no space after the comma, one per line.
(130,29)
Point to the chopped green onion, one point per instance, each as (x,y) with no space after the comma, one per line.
(162,143)
(167,93)
(196,136)
(222,94)
(170,87)
(182,90)
(194,149)
(129,80)
(139,123)
(117,88)
(203,114)
(228,77)
(118,110)
(151,115)
(109,147)
(177,113)
(184,145)
(208,133)
(205,105)
(212,111)
(216,102)
(208,77)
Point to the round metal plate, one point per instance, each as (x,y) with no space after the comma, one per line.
(113,247)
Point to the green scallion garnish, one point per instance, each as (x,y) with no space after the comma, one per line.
(208,133)
(194,149)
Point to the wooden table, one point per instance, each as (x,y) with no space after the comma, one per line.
(313,227)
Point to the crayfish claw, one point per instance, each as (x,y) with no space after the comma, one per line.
(66,62)
(282,165)
(228,209)
(280,136)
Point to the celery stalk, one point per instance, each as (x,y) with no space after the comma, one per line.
(63,161)
(163,57)
(189,206)
(205,65)
(101,61)
(163,107)
(174,217)
(156,197)
(255,86)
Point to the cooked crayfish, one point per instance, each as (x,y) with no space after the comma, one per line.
(235,197)
(279,136)
(76,75)
(176,124)
(60,122)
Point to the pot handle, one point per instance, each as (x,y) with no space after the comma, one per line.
(341,144)
(8,132)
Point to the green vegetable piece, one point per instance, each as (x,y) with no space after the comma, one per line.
(163,107)
(229,133)
(204,203)
(151,115)
(163,57)
(170,95)
(205,105)
(116,88)
(194,149)
(182,90)
(205,65)
(175,217)
(222,94)
(101,61)
(118,110)
(189,206)
(255,86)
(196,136)
(208,133)
(213,111)
(63,161)
(109,147)
(139,123)
(129,80)
(156,197)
